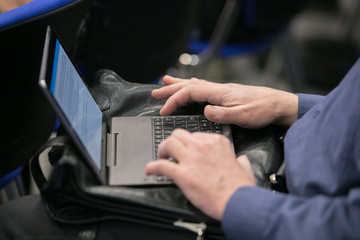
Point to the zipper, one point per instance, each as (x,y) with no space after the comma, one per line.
(198,228)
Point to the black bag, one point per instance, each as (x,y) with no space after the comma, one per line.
(72,194)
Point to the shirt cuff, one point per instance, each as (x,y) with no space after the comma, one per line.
(307,101)
(248,213)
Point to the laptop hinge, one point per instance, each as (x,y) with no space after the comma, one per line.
(112,148)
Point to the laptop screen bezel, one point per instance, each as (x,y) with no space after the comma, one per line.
(46,72)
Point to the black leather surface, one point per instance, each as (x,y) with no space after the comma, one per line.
(117,97)
(74,196)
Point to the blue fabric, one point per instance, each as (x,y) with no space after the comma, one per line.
(5,180)
(307,101)
(230,50)
(30,10)
(322,157)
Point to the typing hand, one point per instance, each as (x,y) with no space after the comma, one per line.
(246,106)
(206,169)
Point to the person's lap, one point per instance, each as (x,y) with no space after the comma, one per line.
(27,218)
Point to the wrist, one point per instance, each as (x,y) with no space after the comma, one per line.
(287,109)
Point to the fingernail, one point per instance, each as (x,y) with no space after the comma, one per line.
(214,112)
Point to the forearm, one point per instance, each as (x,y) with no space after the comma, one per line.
(287,109)
(294,106)
(257,213)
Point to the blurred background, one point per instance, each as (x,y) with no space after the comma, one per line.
(312,49)
(300,46)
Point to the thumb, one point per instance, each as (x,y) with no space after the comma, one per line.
(244,162)
(248,174)
(219,114)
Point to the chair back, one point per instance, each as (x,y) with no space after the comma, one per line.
(26,118)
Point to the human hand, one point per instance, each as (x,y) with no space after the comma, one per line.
(246,106)
(206,169)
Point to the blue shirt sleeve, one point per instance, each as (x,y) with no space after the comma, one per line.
(306,102)
(322,158)
(257,213)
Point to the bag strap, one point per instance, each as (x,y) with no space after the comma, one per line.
(37,173)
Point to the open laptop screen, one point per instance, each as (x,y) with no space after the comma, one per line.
(77,103)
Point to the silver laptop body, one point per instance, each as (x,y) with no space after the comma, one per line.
(117,156)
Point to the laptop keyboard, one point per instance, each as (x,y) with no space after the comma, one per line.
(163,126)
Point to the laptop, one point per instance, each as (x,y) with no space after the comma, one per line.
(119,153)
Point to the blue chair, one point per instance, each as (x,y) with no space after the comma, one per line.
(26,117)
(11,186)
(4,181)
(29,11)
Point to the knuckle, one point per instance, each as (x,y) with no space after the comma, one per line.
(186,89)
(168,141)
(220,139)
(225,114)
(244,117)
(195,81)
(208,141)
(175,132)
(224,139)
(161,168)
